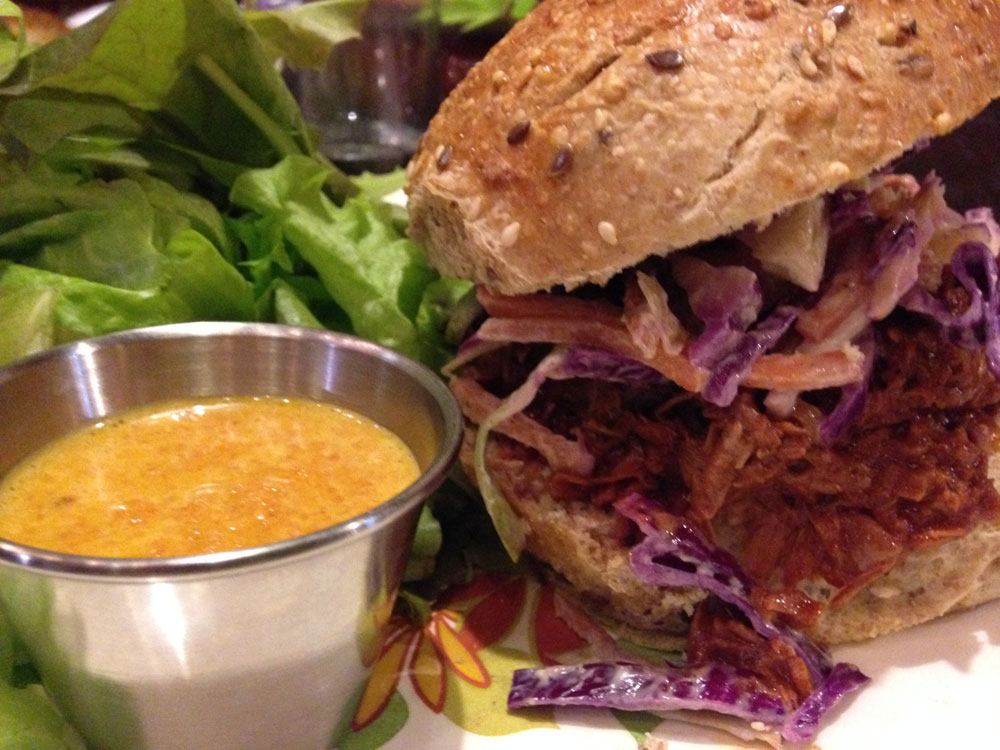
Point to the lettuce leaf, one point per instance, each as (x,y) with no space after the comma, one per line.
(12,45)
(81,257)
(378,277)
(470,15)
(206,89)
(28,719)
(29,319)
(155,169)
(147,183)
(304,35)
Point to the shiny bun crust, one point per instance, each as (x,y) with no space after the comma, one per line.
(600,132)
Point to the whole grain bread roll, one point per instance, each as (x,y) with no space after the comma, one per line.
(596,134)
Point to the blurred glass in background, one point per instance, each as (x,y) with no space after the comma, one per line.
(377,93)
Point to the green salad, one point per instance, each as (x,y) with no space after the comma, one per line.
(154,168)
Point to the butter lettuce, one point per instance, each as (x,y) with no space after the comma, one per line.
(12,44)
(83,257)
(470,15)
(303,35)
(28,720)
(155,168)
(379,279)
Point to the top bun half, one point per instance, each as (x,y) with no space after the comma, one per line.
(600,132)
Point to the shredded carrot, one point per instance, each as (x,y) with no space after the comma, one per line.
(800,372)
(596,333)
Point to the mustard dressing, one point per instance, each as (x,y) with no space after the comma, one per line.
(196,476)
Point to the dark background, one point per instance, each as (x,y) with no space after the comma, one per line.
(968,161)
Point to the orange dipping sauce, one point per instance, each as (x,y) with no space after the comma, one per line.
(192,476)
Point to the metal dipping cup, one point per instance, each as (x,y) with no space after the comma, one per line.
(264,647)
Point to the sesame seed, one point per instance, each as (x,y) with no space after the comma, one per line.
(897,34)
(678,193)
(444,153)
(822,59)
(607,231)
(838,170)
(758,726)
(473,208)
(828,29)
(519,132)
(509,234)
(618,151)
(808,66)
(562,161)
(840,14)
(666,59)
(888,35)
(943,123)
(855,66)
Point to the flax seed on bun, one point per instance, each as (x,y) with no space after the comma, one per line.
(599,133)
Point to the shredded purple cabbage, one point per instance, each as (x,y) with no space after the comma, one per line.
(726,299)
(712,687)
(848,209)
(896,247)
(679,557)
(852,397)
(843,679)
(735,364)
(644,687)
(984,218)
(598,364)
(978,325)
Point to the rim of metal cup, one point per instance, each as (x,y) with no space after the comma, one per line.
(159,567)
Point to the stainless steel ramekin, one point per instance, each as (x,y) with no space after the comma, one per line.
(255,648)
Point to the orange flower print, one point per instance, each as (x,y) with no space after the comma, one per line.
(471,618)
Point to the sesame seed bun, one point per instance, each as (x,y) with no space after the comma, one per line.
(597,134)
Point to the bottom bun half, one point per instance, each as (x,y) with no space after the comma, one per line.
(576,541)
